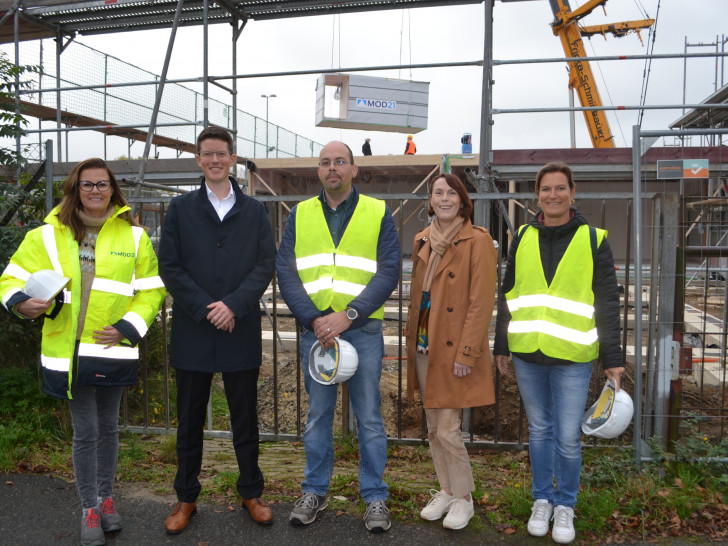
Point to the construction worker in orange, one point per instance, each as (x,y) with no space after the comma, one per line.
(410,148)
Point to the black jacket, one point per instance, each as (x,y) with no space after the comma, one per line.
(553,242)
(203,260)
(366,149)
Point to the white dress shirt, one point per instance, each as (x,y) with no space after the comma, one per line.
(222,207)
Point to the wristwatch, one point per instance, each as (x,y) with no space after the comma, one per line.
(351,313)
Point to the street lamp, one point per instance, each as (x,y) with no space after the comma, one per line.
(266,97)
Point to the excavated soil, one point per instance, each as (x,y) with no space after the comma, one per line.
(511,426)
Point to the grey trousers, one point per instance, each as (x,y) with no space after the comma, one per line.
(95,416)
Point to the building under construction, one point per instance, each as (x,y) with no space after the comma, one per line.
(670,238)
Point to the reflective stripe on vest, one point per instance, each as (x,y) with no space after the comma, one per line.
(10,294)
(117,352)
(49,240)
(17,272)
(113,287)
(55,364)
(150,283)
(557,319)
(136,321)
(334,276)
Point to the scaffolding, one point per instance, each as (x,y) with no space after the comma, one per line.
(115,97)
(664,270)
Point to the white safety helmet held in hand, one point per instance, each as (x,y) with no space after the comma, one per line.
(334,365)
(45,284)
(610,415)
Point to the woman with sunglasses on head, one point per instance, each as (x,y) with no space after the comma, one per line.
(92,327)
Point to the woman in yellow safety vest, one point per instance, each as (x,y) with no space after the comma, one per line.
(92,327)
(448,354)
(558,312)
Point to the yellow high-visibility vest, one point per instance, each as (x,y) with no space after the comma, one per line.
(557,319)
(334,275)
(126,286)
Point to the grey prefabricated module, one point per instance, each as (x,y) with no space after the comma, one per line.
(352,101)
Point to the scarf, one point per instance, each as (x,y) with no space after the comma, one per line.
(440,241)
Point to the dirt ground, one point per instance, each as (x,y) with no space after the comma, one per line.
(511,425)
(411,420)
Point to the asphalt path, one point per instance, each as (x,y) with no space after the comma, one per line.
(42,510)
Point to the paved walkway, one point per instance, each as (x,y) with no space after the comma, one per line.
(42,510)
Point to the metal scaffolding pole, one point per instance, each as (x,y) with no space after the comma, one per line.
(157,102)
(482,208)
(205,66)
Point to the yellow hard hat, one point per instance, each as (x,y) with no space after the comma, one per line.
(409,136)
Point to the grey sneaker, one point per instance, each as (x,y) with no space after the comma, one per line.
(376,518)
(110,518)
(91,532)
(306,508)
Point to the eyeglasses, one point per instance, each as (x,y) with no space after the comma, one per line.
(101,185)
(210,155)
(325,163)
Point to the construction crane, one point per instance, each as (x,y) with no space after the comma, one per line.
(581,78)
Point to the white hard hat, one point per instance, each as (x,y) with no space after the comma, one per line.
(610,415)
(334,365)
(45,284)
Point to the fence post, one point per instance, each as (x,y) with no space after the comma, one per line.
(49,175)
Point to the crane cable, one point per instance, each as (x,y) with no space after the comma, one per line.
(409,41)
(648,62)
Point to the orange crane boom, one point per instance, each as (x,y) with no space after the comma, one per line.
(581,78)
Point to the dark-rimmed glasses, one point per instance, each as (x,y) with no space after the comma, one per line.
(101,185)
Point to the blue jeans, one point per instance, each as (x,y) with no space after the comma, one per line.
(95,417)
(318,438)
(555,401)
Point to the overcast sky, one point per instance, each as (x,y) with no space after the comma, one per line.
(453,34)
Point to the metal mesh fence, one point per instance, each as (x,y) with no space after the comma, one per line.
(81,65)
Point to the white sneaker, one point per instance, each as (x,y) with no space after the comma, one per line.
(538,523)
(563,530)
(438,506)
(459,514)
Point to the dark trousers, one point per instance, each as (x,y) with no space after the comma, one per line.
(193,392)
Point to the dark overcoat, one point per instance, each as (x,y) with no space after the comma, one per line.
(462,294)
(203,260)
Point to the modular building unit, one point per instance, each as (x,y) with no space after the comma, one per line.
(373,104)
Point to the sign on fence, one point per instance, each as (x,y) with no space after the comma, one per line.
(682,168)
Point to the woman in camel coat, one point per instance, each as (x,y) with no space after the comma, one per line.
(448,356)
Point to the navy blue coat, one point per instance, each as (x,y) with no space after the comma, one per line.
(203,260)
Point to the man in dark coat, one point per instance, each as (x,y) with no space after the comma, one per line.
(216,259)
(366,148)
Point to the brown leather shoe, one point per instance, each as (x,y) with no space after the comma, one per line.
(180,517)
(259,511)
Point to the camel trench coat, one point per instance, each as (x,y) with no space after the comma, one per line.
(462,296)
